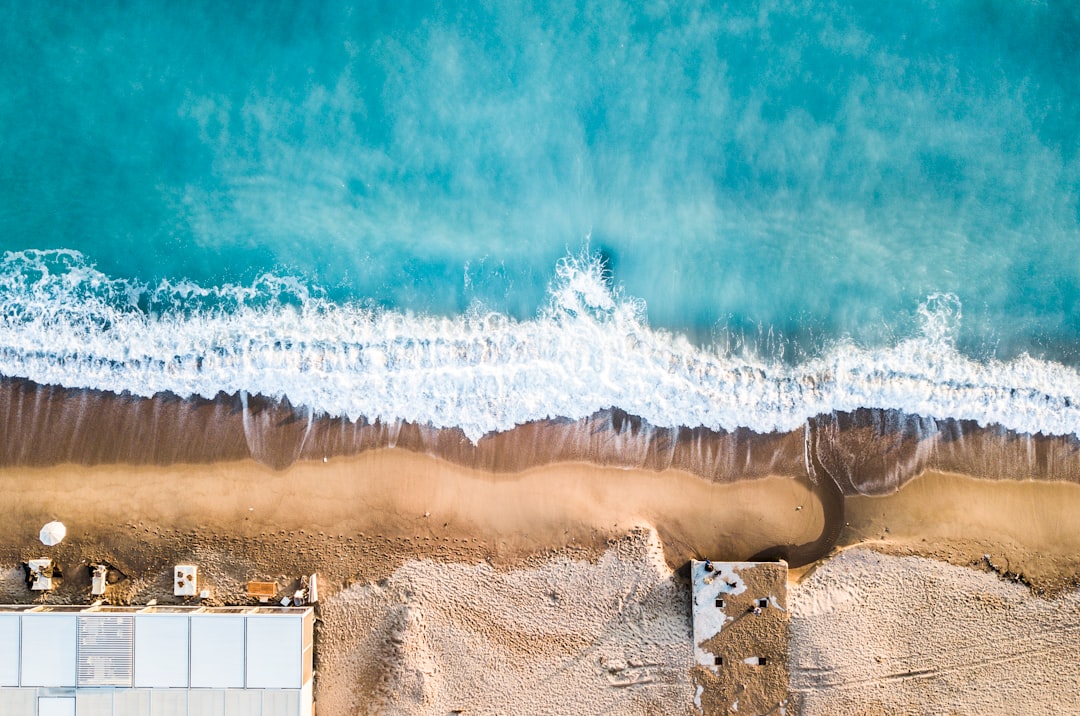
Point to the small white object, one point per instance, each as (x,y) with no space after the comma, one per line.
(38,569)
(313,589)
(204,594)
(97,586)
(285,601)
(53,533)
(185,580)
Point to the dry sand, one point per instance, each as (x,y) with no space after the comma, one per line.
(564,637)
(553,590)
(875,634)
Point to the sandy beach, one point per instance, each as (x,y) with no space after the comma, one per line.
(453,588)
(399,495)
(1028,528)
(427,566)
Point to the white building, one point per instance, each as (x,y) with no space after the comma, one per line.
(155,661)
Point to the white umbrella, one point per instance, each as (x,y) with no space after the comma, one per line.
(53,533)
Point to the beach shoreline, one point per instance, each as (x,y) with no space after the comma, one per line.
(864,451)
(588,525)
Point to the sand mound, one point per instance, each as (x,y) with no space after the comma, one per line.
(874,634)
(563,636)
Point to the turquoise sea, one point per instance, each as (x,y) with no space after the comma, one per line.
(722,214)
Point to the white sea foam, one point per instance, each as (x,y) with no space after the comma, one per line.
(64,323)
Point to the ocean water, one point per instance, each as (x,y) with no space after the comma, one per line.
(720,215)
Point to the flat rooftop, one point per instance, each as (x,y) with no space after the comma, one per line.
(100,660)
(740,635)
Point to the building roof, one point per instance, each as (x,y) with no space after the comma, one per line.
(740,635)
(105,653)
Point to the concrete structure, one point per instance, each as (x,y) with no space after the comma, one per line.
(740,636)
(155,661)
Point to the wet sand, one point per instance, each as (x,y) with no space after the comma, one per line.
(399,494)
(1029,528)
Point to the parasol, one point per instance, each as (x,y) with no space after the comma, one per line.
(53,533)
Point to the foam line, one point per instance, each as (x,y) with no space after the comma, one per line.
(64,323)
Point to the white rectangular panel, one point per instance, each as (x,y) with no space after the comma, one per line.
(281,703)
(169,702)
(243,703)
(161,650)
(206,703)
(94,702)
(48,650)
(56,706)
(105,649)
(217,651)
(9,650)
(132,702)
(18,702)
(274,650)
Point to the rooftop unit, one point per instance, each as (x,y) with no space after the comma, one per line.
(158,660)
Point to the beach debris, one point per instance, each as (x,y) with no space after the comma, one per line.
(53,533)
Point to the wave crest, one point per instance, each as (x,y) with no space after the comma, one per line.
(62,322)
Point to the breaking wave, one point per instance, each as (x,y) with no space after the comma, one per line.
(62,322)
